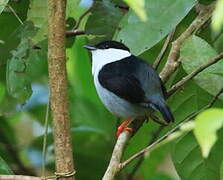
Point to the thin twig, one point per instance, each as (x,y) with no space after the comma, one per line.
(141,159)
(18,177)
(45,139)
(179,84)
(83,15)
(150,147)
(163,50)
(15,14)
(172,60)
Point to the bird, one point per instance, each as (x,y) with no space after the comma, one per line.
(128,86)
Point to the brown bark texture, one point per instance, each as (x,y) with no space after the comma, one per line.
(58,88)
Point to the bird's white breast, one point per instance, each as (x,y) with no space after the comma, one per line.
(116,105)
(100,57)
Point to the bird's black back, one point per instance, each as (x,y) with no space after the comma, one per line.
(132,79)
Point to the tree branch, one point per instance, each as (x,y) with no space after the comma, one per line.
(179,84)
(113,167)
(172,60)
(75,32)
(18,177)
(58,89)
(163,50)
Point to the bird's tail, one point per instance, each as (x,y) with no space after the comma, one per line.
(159,104)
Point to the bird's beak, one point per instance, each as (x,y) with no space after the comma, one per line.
(90,48)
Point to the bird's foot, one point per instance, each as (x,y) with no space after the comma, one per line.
(156,119)
(123,127)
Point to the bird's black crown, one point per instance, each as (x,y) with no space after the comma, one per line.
(111,44)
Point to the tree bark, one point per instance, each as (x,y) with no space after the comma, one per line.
(58,88)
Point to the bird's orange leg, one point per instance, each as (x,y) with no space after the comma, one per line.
(123,127)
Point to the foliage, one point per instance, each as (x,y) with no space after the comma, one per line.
(217,21)
(138,7)
(207,125)
(192,154)
(161,20)
(4,169)
(196,52)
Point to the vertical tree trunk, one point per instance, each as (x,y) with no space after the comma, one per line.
(58,87)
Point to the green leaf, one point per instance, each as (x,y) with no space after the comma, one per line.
(3,3)
(19,74)
(2,92)
(4,168)
(148,170)
(103,21)
(206,126)
(9,29)
(72,6)
(217,20)
(190,164)
(221,171)
(79,71)
(196,52)
(140,36)
(138,7)
(206,2)
(37,13)
(17,80)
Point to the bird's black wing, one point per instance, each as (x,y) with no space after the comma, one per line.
(123,79)
(126,87)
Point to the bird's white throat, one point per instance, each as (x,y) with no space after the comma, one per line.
(100,57)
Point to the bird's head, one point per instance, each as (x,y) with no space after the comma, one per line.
(107,45)
(110,49)
(107,52)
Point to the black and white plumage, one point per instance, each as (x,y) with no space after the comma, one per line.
(127,85)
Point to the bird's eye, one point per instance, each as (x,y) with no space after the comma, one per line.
(106,46)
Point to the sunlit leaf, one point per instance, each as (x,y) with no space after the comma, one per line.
(3,3)
(196,52)
(206,126)
(138,7)
(217,20)
(140,36)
